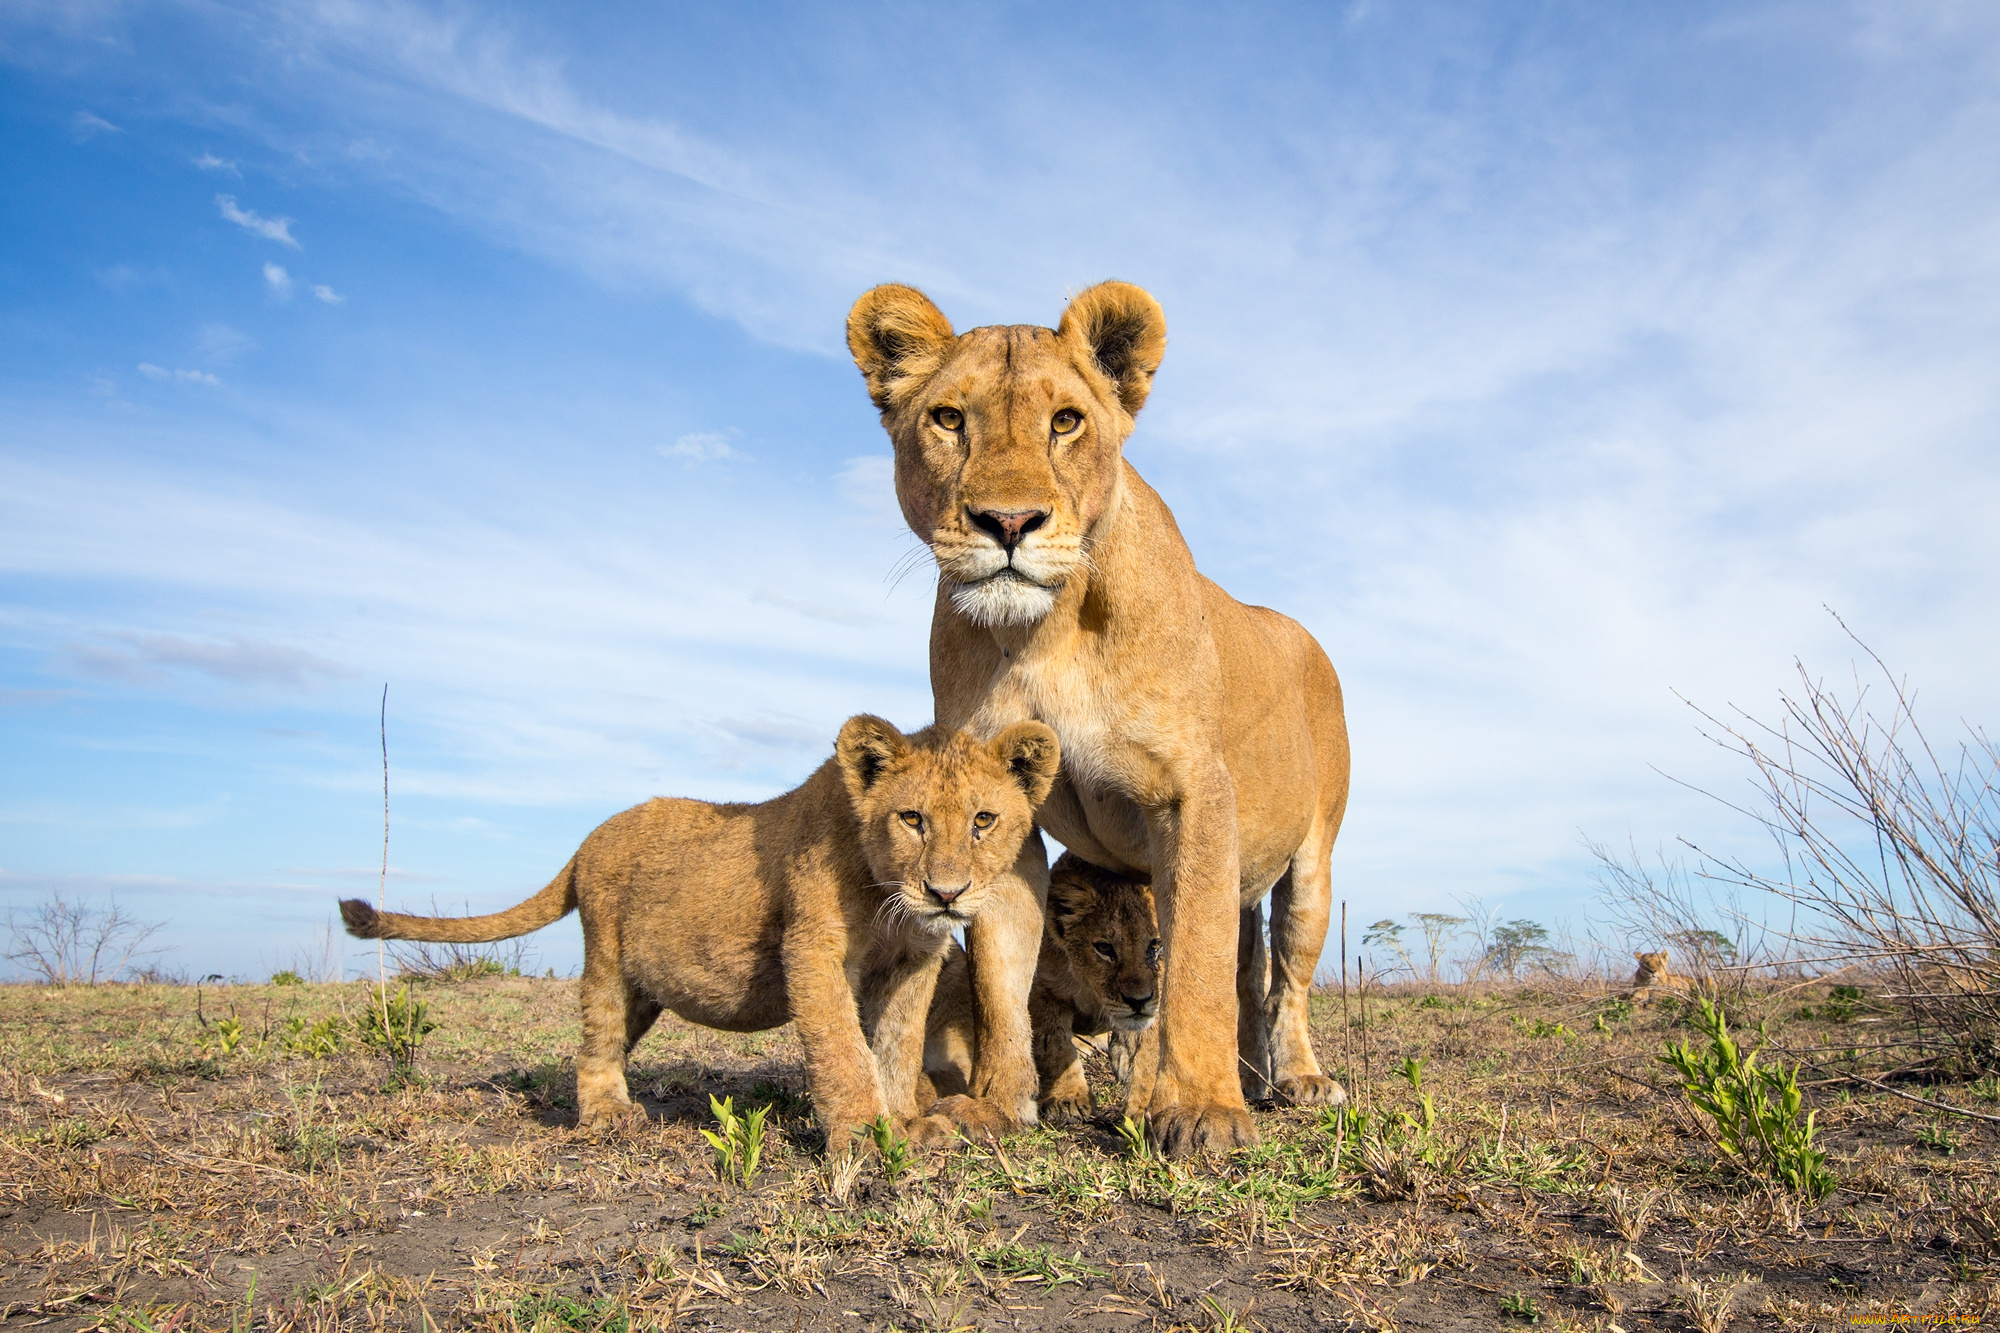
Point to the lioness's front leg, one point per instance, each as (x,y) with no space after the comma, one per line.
(1197,1099)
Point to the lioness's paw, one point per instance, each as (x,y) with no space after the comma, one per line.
(1177,1130)
(1067,1107)
(982,1121)
(1310,1090)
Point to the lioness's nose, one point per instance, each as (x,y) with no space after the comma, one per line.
(946,896)
(1008,526)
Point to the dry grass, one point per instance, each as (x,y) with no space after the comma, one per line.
(154,1180)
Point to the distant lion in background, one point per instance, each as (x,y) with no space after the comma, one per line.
(1653,975)
(829,906)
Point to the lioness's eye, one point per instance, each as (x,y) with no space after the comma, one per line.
(913,819)
(1107,951)
(1066,420)
(982,820)
(948,417)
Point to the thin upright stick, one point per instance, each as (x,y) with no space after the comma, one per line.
(1346,1031)
(382,885)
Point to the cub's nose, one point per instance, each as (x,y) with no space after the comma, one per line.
(1007,526)
(1139,1004)
(946,897)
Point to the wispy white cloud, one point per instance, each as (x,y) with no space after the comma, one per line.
(162,374)
(84,125)
(210,162)
(271,229)
(279,281)
(327,295)
(707,446)
(143,658)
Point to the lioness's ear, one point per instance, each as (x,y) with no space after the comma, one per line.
(867,746)
(1032,754)
(898,338)
(1125,330)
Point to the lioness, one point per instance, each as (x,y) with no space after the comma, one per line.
(830,905)
(1203,740)
(1098,974)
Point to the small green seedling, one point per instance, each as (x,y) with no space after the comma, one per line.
(1412,1072)
(1132,1133)
(739,1145)
(1521,1306)
(892,1147)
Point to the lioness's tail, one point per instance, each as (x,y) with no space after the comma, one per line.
(551,904)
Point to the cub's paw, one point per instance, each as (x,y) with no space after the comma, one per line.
(929,1131)
(982,1121)
(1175,1131)
(1067,1107)
(607,1114)
(1310,1090)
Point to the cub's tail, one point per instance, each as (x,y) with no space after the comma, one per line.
(551,904)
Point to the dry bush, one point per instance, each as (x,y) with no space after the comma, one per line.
(1889,848)
(77,943)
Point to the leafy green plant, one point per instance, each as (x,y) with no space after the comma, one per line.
(892,1147)
(548,1312)
(287,977)
(1521,1306)
(317,1042)
(1411,1071)
(1615,1010)
(228,1035)
(738,1140)
(396,1025)
(1132,1133)
(1938,1135)
(1754,1110)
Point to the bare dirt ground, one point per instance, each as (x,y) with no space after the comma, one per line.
(152,1180)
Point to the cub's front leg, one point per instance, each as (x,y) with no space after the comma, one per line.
(841,1070)
(895,1005)
(1065,1092)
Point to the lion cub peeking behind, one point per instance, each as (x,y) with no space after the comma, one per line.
(829,906)
(1099,973)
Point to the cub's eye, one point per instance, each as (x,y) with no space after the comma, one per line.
(912,818)
(1106,951)
(948,417)
(984,819)
(1153,952)
(1066,421)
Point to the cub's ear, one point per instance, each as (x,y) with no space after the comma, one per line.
(866,748)
(1071,897)
(1123,327)
(899,339)
(1032,754)
(1639,956)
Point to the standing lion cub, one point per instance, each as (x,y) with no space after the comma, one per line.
(829,906)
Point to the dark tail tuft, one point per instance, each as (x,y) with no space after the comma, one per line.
(362,921)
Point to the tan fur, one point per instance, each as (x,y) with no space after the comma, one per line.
(1653,975)
(1204,742)
(824,906)
(1098,974)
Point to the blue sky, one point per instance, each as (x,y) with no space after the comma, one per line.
(1544,360)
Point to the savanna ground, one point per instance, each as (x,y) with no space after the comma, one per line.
(150,1180)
